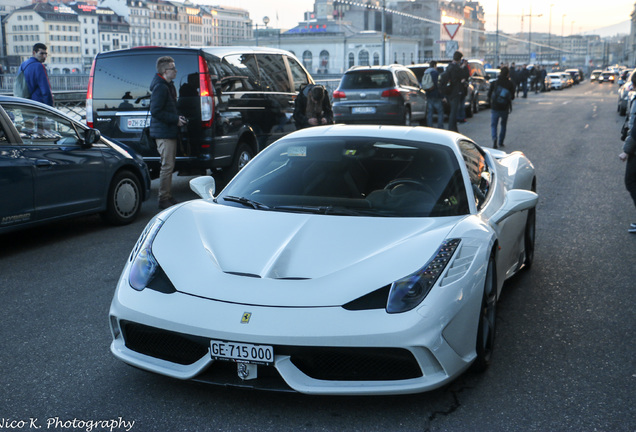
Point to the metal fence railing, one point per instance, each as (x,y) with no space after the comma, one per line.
(59,82)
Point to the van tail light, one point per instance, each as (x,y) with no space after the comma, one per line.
(206,94)
(391,93)
(89,98)
(339,95)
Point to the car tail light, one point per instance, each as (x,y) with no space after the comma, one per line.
(89,98)
(339,95)
(206,94)
(391,93)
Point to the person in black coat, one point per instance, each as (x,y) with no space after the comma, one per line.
(500,95)
(312,107)
(164,125)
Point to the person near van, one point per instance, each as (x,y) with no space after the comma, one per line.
(500,95)
(36,77)
(457,77)
(312,107)
(435,98)
(164,125)
(629,155)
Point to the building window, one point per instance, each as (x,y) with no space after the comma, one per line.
(308,60)
(352,60)
(324,62)
(376,59)
(363,58)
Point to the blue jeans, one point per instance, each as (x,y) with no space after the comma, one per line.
(435,104)
(494,119)
(461,109)
(454,102)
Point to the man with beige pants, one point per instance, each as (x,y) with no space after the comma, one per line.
(164,125)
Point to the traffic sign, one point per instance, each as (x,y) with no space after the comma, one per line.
(451,47)
(451,28)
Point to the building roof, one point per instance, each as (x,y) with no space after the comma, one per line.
(323,26)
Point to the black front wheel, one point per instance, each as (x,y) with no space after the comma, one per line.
(124,199)
(242,156)
(487,320)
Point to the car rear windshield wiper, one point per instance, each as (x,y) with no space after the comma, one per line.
(247,202)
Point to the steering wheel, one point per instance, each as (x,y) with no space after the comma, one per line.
(410,183)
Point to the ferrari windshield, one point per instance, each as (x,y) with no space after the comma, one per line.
(352,176)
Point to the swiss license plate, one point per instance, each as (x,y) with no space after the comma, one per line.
(242,352)
(363,110)
(138,123)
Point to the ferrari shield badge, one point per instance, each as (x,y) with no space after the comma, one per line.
(245,319)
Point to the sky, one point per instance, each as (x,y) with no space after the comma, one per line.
(580,15)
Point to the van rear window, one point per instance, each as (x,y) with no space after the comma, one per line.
(126,79)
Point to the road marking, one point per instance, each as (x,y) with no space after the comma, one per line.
(586,126)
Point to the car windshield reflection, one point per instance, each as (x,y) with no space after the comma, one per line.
(352,176)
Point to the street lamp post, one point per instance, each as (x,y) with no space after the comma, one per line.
(550,28)
(562,36)
(530,34)
(384,32)
(497,39)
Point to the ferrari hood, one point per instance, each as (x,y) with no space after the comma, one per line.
(289,259)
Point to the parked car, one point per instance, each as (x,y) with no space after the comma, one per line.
(624,93)
(238,100)
(379,95)
(607,76)
(569,81)
(492,75)
(418,70)
(558,81)
(595,74)
(342,260)
(53,167)
(480,84)
(623,75)
(577,76)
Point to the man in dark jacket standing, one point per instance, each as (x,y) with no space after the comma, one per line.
(36,77)
(164,125)
(457,76)
(500,95)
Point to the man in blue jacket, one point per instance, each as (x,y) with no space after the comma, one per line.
(36,77)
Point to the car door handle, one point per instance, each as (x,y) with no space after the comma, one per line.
(43,163)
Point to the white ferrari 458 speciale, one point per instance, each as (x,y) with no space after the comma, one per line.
(341,260)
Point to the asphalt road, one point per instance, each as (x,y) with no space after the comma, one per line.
(564,357)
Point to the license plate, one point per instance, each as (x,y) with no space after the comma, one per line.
(363,110)
(138,123)
(242,352)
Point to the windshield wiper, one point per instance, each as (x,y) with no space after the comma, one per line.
(327,210)
(247,202)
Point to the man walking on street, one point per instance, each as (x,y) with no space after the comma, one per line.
(164,125)
(36,77)
(457,79)
(523,77)
(500,95)
(435,98)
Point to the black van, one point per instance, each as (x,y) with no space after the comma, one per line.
(238,100)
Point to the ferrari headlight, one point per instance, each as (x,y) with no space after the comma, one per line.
(144,265)
(409,292)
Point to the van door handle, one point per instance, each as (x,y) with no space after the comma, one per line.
(43,163)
